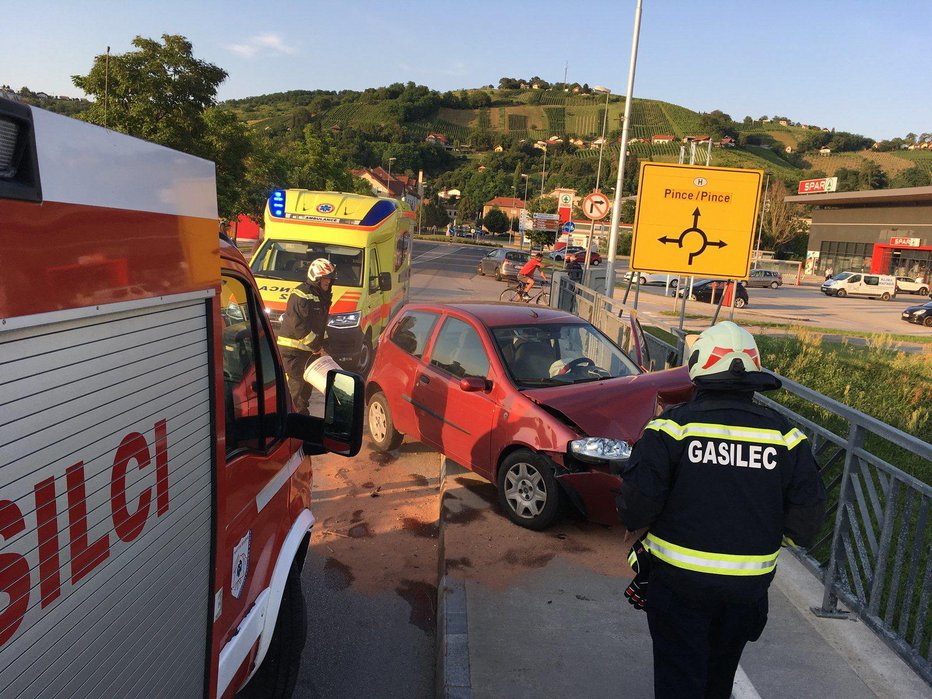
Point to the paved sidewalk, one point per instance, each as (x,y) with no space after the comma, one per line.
(532,614)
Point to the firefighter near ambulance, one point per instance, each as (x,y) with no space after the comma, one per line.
(304,324)
(719,483)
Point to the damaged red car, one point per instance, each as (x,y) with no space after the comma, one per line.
(536,400)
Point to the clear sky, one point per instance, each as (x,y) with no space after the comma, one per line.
(854,65)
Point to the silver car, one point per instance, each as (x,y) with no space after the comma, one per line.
(502,263)
(764,278)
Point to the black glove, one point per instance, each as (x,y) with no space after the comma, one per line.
(639,560)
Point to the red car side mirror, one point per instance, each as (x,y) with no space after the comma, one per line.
(473,383)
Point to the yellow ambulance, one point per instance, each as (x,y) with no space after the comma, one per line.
(369,241)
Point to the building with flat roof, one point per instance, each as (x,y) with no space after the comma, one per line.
(881,231)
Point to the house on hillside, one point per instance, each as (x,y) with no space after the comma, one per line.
(825,150)
(661,138)
(395,186)
(499,149)
(788,149)
(438,139)
(578,142)
(783,122)
(449,193)
(726,142)
(509,206)
(696,139)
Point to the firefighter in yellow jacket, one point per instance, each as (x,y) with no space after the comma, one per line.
(301,335)
(719,482)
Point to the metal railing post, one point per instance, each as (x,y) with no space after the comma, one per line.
(829,606)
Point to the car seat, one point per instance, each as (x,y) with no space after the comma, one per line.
(533,360)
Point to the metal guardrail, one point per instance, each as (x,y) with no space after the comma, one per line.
(875,550)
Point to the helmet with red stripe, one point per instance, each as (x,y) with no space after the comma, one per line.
(723,350)
(320,268)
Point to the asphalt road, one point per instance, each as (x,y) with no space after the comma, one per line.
(371,573)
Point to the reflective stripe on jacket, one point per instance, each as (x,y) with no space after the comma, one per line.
(708,562)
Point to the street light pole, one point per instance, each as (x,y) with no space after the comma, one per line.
(543,172)
(616,209)
(514,208)
(521,232)
(598,172)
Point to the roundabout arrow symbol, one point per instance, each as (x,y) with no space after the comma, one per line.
(694,229)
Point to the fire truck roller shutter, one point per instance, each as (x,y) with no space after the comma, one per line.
(105,455)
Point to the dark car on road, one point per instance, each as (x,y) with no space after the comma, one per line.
(502,263)
(536,400)
(580,253)
(704,291)
(921,315)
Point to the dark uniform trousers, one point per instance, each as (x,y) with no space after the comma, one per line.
(697,645)
(295,363)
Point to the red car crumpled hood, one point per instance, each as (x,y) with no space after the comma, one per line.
(616,408)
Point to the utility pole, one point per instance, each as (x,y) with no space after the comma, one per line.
(543,172)
(520,230)
(616,209)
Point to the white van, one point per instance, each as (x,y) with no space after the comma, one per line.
(881,286)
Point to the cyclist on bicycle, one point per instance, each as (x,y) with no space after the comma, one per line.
(526,274)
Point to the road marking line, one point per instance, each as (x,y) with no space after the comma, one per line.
(743,689)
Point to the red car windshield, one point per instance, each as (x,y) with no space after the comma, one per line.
(554,354)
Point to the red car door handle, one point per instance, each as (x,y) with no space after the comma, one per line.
(423,379)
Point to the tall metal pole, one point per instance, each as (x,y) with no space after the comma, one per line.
(616,209)
(598,171)
(760,224)
(543,172)
(520,231)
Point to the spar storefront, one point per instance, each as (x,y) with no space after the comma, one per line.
(882,231)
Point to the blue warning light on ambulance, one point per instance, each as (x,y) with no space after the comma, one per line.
(277,203)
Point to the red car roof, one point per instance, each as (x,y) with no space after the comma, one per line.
(497,314)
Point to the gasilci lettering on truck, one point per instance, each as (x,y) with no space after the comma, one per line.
(154,485)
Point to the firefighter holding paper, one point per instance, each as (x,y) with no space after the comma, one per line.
(720,483)
(301,336)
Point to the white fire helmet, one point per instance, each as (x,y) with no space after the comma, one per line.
(321,267)
(717,349)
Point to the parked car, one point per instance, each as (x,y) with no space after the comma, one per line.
(502,263)
(703,291)
(922,315)
(580,252)
(536,400)
(764,278)
(651,278)
(912,285)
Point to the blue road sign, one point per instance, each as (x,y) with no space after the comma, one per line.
(569,227)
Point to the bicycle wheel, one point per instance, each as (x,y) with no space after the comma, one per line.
(543,298)
(511,295)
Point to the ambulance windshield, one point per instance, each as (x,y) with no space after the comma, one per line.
(289,259)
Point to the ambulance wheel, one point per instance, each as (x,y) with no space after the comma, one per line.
(364,360)
(885,296)
(381,427)
(841,293)
(528,490)
(278,674)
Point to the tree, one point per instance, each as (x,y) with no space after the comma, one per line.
(915,176)
(158,92)
(228,143)
(781,223)
(495,221)
(871,176)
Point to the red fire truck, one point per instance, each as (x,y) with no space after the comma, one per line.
(154,489)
